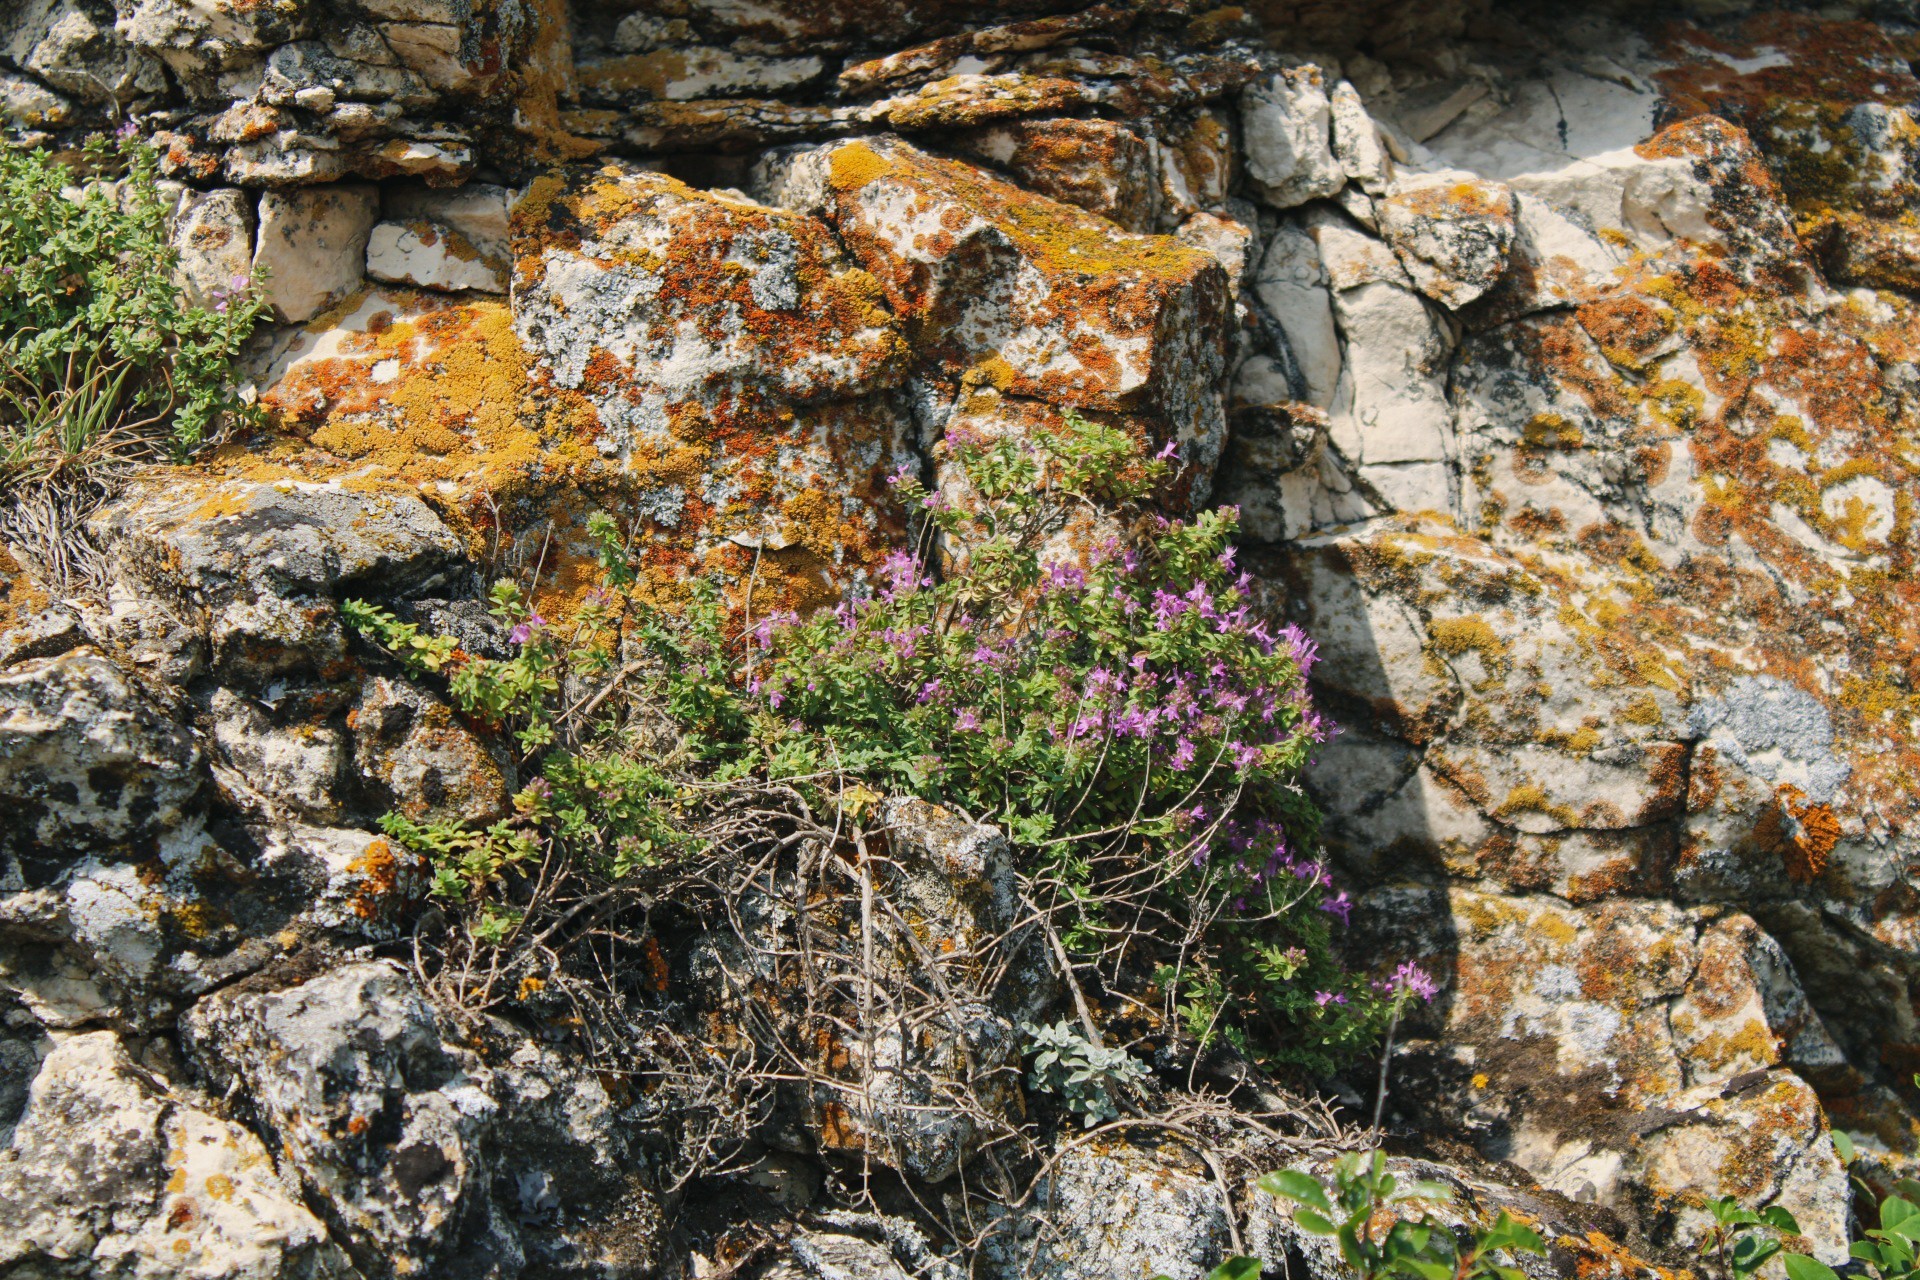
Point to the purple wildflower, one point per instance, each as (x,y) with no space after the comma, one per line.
(1411,978)
(1338,905)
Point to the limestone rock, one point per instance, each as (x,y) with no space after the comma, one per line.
(684,73)
(657,307)
(1291,282)
(91,762)
(213,231)
(479,211)
(110,1172)
(1271,469)
(1102,167)
(1452,233)
(1560,1016)
(415,1153)
(1122,1209)
(1287,123)
(199,40)
(410,745)
(430,255)
(313,247)
(64,45)
(29,104)
(214,543)
(1046,300)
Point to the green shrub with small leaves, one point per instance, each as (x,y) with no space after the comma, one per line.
(1397,1243)
(1125,713)
(102,353)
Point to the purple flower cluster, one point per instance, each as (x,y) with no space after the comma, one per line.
(1410,980)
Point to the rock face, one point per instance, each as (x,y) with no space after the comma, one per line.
(416,1155)
(1563,370)
(111,1173)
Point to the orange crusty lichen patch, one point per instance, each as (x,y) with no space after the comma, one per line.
(21,599)
(1105,319)
(1803,834)
(1730,74)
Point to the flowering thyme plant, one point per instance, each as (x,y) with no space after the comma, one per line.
(1121,709)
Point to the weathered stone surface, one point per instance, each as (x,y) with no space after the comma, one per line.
(414,1153)
(431,255)
(29,104)
(429,765)
(658,307)
(66,46)
(1043,299)
(111,1172)
(1121,1208)
(90,762)
(1621,1053)
(1287,122)
(479,211)
(213,230)
(1451,231)
(216,543)
(313,247)
(1102,167)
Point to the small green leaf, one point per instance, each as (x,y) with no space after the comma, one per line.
(1294,1185)
(1900,1216)
(1777,1217)
(1313,1223)
(1236,1269)
(1844,1145)
(1800,1267)
(1426,1189)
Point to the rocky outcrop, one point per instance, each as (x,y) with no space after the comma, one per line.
(416,1154)
(1562,381)
(111,1172)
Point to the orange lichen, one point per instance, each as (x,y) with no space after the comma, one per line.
(1803,834)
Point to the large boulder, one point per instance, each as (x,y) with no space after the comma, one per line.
(734,368)
(417,1153)
(111,1172)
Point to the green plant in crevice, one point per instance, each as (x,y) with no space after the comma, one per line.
(1409,1247)
(1126,716)
(1085,1076)
(102,353)
(1741,1240)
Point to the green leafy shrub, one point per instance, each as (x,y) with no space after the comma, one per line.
(101,352)
(1085,1076)
(1416,1248)
(1126,716)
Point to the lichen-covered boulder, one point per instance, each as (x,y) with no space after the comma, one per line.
(1042,299)
(736,370)
(415,1153)
(111,1172)
(1608,1049)
(88,761)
